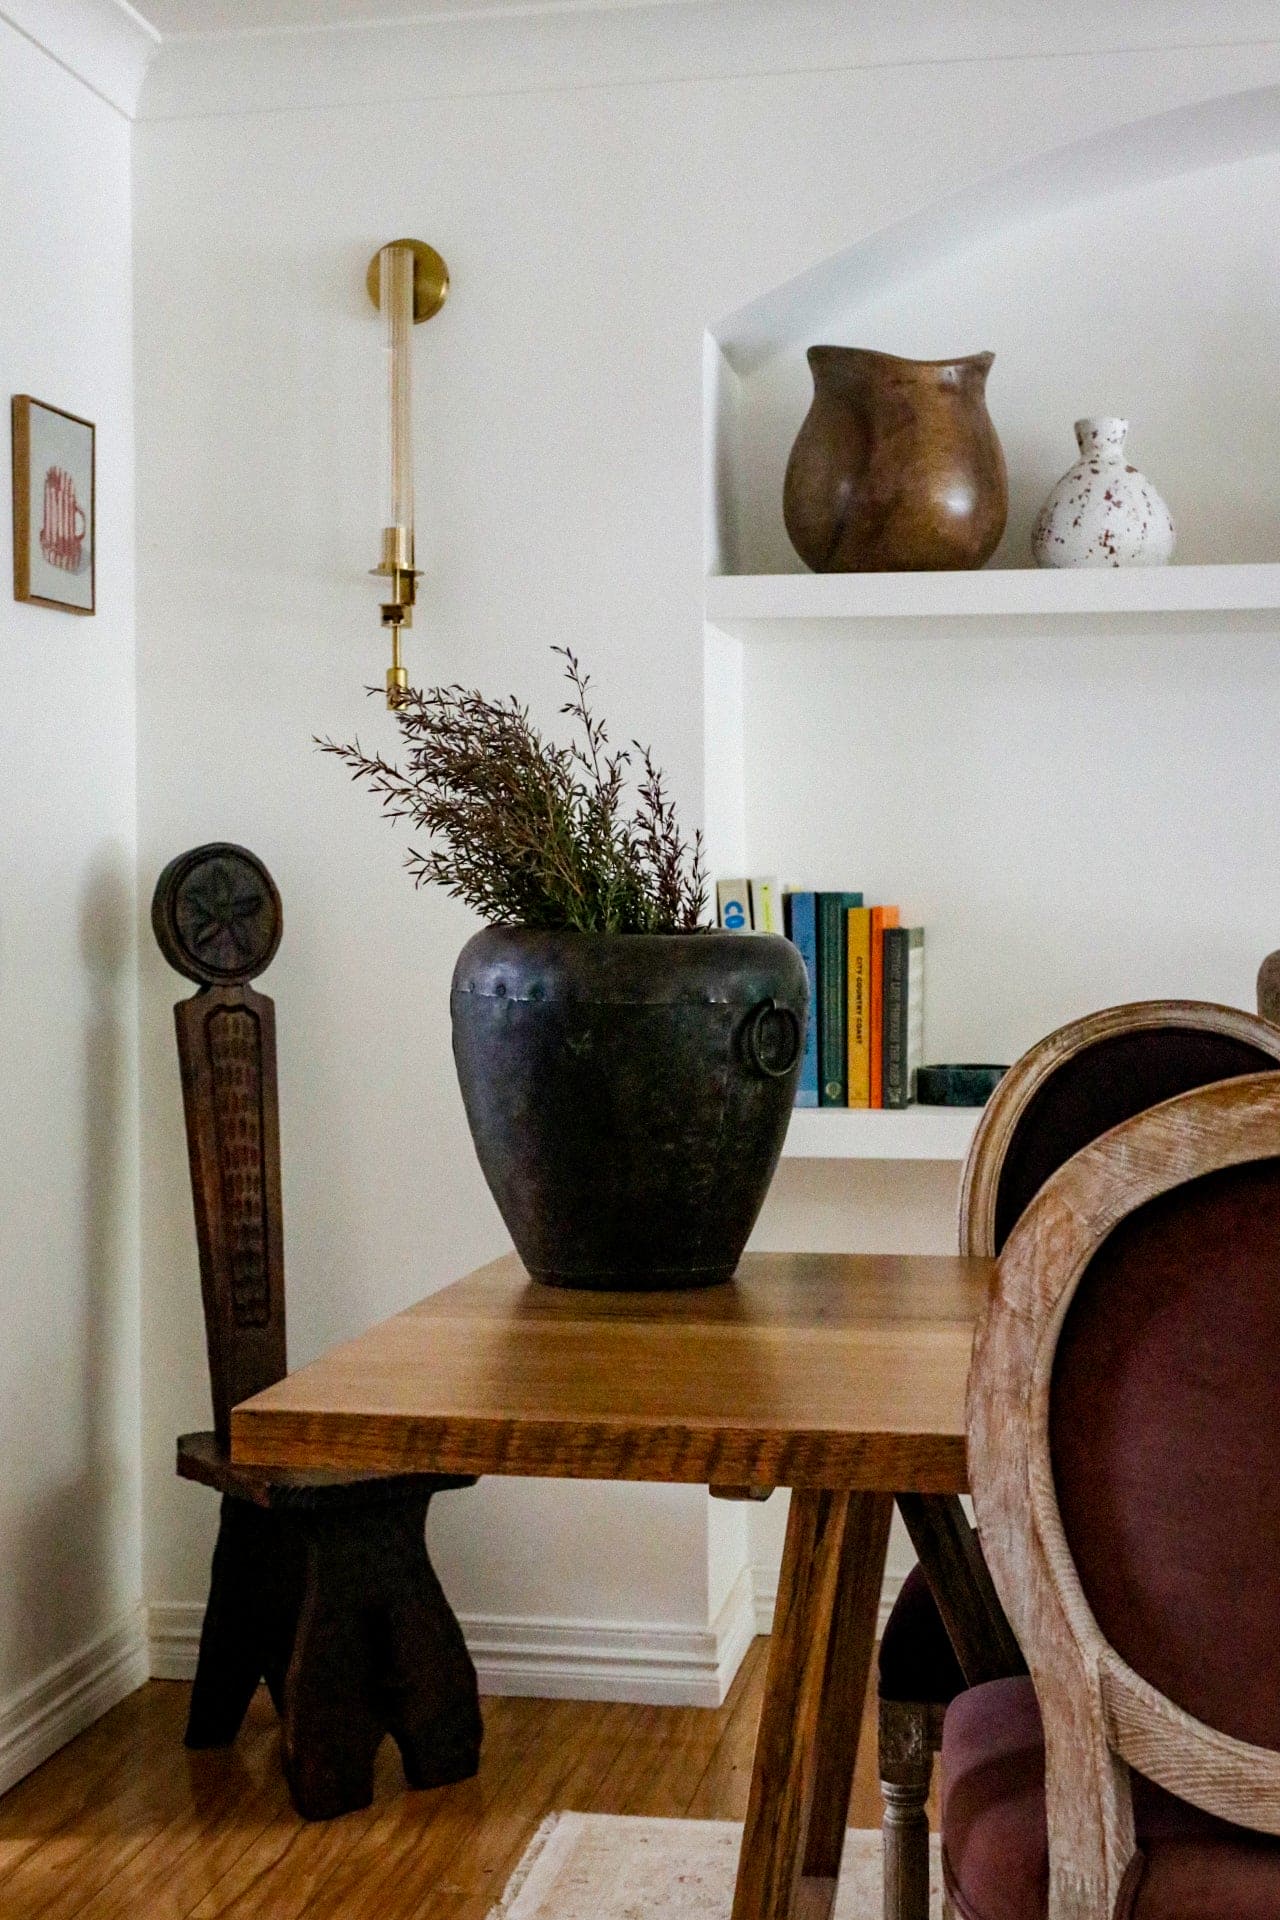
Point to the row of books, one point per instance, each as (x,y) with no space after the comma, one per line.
(864,1039)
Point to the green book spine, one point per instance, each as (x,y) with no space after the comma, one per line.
(833,997)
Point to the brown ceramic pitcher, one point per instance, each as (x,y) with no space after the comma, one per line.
(897,466)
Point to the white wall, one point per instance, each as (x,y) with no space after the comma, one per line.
(70,1569)
(594,233)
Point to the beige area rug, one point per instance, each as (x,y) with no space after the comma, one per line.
(592,1866)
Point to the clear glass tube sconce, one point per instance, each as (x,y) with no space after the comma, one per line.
(408,282)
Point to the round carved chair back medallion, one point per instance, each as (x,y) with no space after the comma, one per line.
(216,915)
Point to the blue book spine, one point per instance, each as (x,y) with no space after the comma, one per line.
(802,930)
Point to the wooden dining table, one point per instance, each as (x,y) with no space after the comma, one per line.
(841,1377)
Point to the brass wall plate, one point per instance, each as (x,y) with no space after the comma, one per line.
(430,278)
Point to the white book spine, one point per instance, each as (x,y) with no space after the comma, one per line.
(733,905)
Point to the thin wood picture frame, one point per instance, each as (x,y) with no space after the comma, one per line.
(55,486)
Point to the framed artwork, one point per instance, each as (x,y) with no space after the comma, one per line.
(53,506)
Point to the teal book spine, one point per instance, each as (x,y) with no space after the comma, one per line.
(802,929)
(833,997)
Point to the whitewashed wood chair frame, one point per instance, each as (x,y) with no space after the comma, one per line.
(1004,1112)
(910,1733)
(1100,1717)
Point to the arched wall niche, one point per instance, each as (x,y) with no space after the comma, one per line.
(1137,272)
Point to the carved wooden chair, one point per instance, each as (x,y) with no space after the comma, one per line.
(1123,1411)
(321,1583)
(1066,1091)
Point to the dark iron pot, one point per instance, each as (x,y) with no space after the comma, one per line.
(628,1094)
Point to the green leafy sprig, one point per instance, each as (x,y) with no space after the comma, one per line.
(530,833)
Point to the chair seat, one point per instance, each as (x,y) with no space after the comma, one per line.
(995,1847)
(202,1457)
(916,1660)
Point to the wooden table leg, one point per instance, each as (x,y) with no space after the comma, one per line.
(819,1657)
(948,1550)
(849,1652)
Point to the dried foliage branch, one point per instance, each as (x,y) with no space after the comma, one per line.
(529,833)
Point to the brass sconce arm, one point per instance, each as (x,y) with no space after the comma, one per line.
(408,282)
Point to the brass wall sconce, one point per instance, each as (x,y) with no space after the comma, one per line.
(407,282)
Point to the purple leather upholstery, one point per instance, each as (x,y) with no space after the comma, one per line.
(1164,1419)
(995,1849)
(916,1661)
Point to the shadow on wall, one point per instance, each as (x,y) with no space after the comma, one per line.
(67,1562)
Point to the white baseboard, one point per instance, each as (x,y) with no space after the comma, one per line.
(597,1660)
(70,1696)
(648,1662)
(764,1588)
(173,1636)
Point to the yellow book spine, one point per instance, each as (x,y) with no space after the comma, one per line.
(860,1006)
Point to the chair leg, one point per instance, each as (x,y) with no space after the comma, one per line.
(428,1681)
(377,1651)
(254,1590)
(908,1740)
(331,1722)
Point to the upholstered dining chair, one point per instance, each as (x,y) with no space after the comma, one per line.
(1124,1404)
(1066,1091)
(321,1583)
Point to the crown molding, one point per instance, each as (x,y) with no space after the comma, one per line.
(534,46)
(104,43)
(503,46)
(200,19)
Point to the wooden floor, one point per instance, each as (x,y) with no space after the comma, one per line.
(124,1824)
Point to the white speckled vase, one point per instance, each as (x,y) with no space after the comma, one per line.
(1103,513)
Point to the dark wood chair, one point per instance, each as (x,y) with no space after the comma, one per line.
(321,1583)
(1067,1091)
(1123,1409)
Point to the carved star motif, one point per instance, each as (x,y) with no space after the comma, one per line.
(226,909)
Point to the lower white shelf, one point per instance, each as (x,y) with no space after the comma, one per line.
(857,1133)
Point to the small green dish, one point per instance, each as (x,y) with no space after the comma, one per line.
(966,1086)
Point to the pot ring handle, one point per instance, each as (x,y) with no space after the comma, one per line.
(771,1036)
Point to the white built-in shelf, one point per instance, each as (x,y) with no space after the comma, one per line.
(855,1133)
(740,602)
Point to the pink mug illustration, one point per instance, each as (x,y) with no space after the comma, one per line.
(63,529)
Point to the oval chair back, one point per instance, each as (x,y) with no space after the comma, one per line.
(1123,1407)
(1086,1078)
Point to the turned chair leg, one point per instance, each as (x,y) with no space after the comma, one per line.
(906,1850)
(910,1734)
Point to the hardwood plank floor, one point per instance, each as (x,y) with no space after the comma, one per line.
(125,1824)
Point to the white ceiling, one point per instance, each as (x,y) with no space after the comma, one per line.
(170,19)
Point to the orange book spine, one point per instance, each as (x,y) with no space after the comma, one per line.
(881,917)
